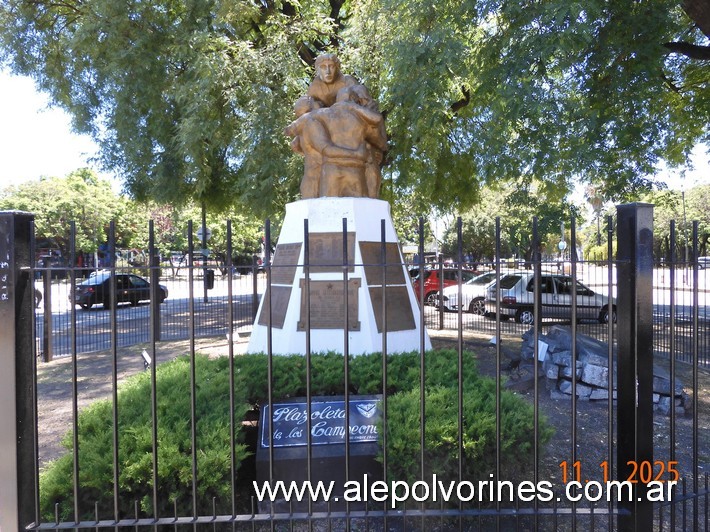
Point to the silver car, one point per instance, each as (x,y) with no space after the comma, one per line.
(473,293)
(556,294)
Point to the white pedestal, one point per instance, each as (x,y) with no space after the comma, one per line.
(287,298)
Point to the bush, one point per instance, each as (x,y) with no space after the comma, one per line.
(135,461)
(289,380)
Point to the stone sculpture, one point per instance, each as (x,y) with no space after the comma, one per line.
(340,133)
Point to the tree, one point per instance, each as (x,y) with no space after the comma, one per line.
(57,201)
(683,208)
(188,99)
(516,204)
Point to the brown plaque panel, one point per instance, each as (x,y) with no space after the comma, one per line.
(280,296)
(328,305)
(326,252)
(372,259)
(284,264)
(399,308)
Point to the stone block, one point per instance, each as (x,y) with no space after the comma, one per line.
(562,358)
(582,390)
(664,405)
(566,371)
(595,375)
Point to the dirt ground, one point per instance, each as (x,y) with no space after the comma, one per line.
(95,377)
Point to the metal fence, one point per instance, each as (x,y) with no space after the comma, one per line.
(642,429)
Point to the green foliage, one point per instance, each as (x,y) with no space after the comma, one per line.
(516,203)
(188,99)
(479,439)
(135,463)
(58,201)
(212,414)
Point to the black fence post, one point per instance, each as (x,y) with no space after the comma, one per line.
(18,438)
(635,358)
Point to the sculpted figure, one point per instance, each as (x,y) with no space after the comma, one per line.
(311,138)
(329,80)
(340,133)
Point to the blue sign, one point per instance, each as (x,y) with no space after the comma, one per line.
(290,422)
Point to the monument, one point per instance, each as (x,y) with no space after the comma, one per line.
(338,256)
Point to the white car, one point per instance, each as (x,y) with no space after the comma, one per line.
(473,292)
(517,298)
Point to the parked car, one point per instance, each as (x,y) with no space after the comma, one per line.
(703,262)
(431,282)
(556,292)
(130,288)
(473,294)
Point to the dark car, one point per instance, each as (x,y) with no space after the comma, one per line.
(431,282)
(129,289)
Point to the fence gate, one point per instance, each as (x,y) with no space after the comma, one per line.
(636,442)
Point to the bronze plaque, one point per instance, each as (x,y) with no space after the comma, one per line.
(328,305)
(372,260)
(280,296)
(399,308)
(283,267)
(326,252)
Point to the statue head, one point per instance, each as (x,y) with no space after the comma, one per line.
(355,93)
(304,105)
(328,67)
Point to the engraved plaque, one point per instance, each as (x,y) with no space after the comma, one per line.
(280,296)
(326,252)
(399,308)
(372,260)
(328,305)
(283,267)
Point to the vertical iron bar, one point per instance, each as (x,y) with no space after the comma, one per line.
(75,373)
(573,328)
(269,351)
(346,359)
(611,309)
(154,337)
(193,384)
(672,347)
(230,352)
(459,351)
(33,357)
(383,254)
(459,345)
(114,356)
(422,410)
(309,382)
(498,359)
(537,325)
(635,359)
(696,402)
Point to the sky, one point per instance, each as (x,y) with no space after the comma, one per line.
(36,140)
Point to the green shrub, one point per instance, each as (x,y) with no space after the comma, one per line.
(478,428)
(135,445)
(251,390)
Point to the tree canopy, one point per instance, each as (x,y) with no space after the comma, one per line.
(57,201)
(188,98)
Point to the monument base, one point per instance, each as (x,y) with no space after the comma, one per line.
(346,278)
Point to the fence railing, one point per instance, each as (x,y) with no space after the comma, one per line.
(635,432)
